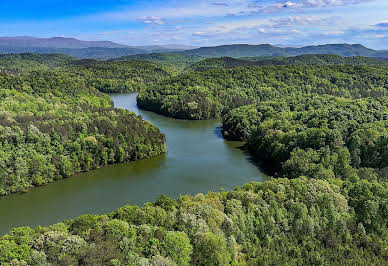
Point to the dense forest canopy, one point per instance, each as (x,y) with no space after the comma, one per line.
(314,59)
(316,121)
(209,94)
(106,76)
(28,61)
(53,125)
(126,76)
(133,73)
(318,59)
(316,136)
(293,222)
(179,61)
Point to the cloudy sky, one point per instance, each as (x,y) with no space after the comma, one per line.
(201,23)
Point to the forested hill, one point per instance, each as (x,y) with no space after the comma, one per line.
(179,61)
(313,59)
(53,125)
(245,50)
(221,62)
(106,76)
(315,121)
(25,62)
(121,76)
(213,93)
(319,59)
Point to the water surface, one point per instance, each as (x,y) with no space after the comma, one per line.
(198,160)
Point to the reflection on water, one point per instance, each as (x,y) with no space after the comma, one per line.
(198,160)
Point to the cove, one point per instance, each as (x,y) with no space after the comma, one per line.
(198,160)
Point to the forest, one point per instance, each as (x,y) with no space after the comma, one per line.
(315,121)
(282,221)
(314,59)
(213,93)
(53,125)
(105,76)
(318,124)
(178,61)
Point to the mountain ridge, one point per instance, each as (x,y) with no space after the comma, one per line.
(110,50)
(247,50)
(56,42)
(73,43)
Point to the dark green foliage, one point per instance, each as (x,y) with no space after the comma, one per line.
(25,62)
(314,59)
(316,136)
(292,222)
(318,59)
(315,121)
(213,93)
(106,76)
(222,62)
(125,76)
(179,61)
(53,126)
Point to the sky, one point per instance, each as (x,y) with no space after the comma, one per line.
(201,23)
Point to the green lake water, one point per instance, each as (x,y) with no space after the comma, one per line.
(198,160)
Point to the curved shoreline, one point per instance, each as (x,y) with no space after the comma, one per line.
(198,160)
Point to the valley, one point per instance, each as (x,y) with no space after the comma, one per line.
(235,161)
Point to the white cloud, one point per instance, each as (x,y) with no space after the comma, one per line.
(333,33)
(220,4)
(152,20)
(293,21)
(383,24)
(184,10)
(286,23)
(207,22)
(258,7)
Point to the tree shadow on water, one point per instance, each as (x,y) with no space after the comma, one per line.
(218,132)
(266,167)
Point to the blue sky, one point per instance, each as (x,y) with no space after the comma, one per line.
(201,23)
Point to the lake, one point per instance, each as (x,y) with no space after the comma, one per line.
(198,160)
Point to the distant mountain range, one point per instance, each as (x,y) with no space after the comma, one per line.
(27,42)
(108,49)
(245,50)
(168,46)
(56,42)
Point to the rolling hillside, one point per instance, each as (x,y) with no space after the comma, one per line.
(171,59)
(311,59)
